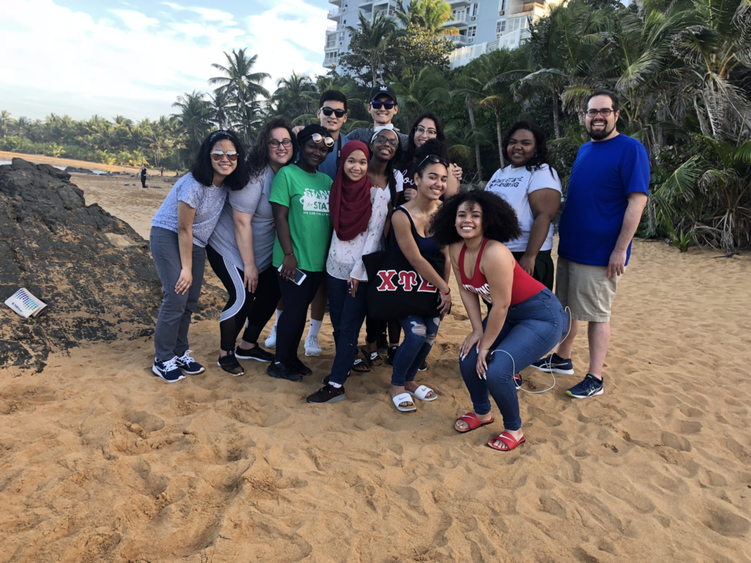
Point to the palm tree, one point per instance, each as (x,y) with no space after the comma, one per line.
(295,97)
(717,43)
(239,81)
(5,122)
(426,90)
(372,47)
(429,15)
(194,116)
(220,108)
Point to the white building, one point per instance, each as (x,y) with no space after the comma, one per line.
(483,25)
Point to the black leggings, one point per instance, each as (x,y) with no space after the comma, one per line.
(243,308)
(291,323)
(374,329)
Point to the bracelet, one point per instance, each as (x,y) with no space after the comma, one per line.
(447,293)
(291,253)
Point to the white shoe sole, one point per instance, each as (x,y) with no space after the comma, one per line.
(314,352)
(553,370)
(159,375)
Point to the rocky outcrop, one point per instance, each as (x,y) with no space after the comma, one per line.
(92,269)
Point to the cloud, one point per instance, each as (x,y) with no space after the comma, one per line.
(55,57)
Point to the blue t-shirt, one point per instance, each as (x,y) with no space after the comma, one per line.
(328,166)
(603,176)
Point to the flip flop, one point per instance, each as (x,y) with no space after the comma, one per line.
(422,393)
(507,439)
(369,360)
(473,422)
(404,398)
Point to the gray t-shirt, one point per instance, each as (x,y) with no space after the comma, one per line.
(206,200)
(254,200)
(364,135)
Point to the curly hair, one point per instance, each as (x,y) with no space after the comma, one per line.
(440,135)
(258,159)
(499,221)
(203,171)
(541,143)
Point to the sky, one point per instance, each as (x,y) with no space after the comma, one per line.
(86,57)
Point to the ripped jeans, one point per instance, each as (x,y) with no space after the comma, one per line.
(419,336)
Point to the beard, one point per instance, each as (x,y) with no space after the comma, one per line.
(599,134)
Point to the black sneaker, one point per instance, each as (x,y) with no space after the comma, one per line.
(554,363)
(282,370)
(589,387)
(230,364)
(257,353)
(328,394)
(188,364)
(391,354)
(423,366)
(169,371)
(300,367)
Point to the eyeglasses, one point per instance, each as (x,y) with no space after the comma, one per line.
(429,132)
(603,112)
(339,113)
(378,141)
(286,143)
(433,159)
(318,138)
(218,155)
(378,105)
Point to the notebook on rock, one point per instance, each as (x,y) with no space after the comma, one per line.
(25,304)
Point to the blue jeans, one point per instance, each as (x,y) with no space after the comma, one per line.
(532,329)
(171,332)
(347,314)
(419,336)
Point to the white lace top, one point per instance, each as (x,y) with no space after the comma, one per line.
(345,257)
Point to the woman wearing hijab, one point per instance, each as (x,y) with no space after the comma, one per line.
(359,211)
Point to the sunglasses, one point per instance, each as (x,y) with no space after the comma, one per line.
(379,105)
(339,113)
(378,141)
(318,138)
(434,159)
(286,143)
(218,155)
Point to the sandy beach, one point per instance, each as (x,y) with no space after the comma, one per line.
(101,461)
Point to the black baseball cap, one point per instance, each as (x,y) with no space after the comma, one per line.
(382,91)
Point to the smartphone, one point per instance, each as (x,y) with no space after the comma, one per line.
(299,276)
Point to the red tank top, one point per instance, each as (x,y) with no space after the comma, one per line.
(524,286)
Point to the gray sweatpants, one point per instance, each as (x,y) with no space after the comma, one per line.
(171,333)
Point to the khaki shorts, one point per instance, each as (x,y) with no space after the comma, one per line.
(586,290)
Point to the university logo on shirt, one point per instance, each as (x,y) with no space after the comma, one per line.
(315,201)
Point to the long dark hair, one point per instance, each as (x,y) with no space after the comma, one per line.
(440,135)
(391,164)
(203,171)
(499,221)
(541,143)
(258,159)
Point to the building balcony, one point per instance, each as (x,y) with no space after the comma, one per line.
(335,2)
(334,29)
(529,9)
(366,5)
(459,3)
(330,47)
(459,40)
(459,22)
(334,14)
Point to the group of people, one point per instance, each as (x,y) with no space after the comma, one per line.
(288,225)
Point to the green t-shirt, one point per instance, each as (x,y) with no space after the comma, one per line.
(307,197)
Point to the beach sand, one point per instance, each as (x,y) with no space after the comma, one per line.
(54,161)
(100,461)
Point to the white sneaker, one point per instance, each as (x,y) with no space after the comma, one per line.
(311,346)
(271,340)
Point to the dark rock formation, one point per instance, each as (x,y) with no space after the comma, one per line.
(93,270)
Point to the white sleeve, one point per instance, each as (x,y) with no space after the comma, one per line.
(543,178)
(373,236)
(399,181)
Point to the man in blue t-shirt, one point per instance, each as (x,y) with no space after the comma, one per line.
(607,193)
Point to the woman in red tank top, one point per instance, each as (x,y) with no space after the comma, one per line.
(524,322)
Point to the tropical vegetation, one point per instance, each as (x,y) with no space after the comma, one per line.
(681,68)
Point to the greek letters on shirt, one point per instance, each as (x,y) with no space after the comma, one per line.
(315,202)
(407,279)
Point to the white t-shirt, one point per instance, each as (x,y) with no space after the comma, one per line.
(514,185)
